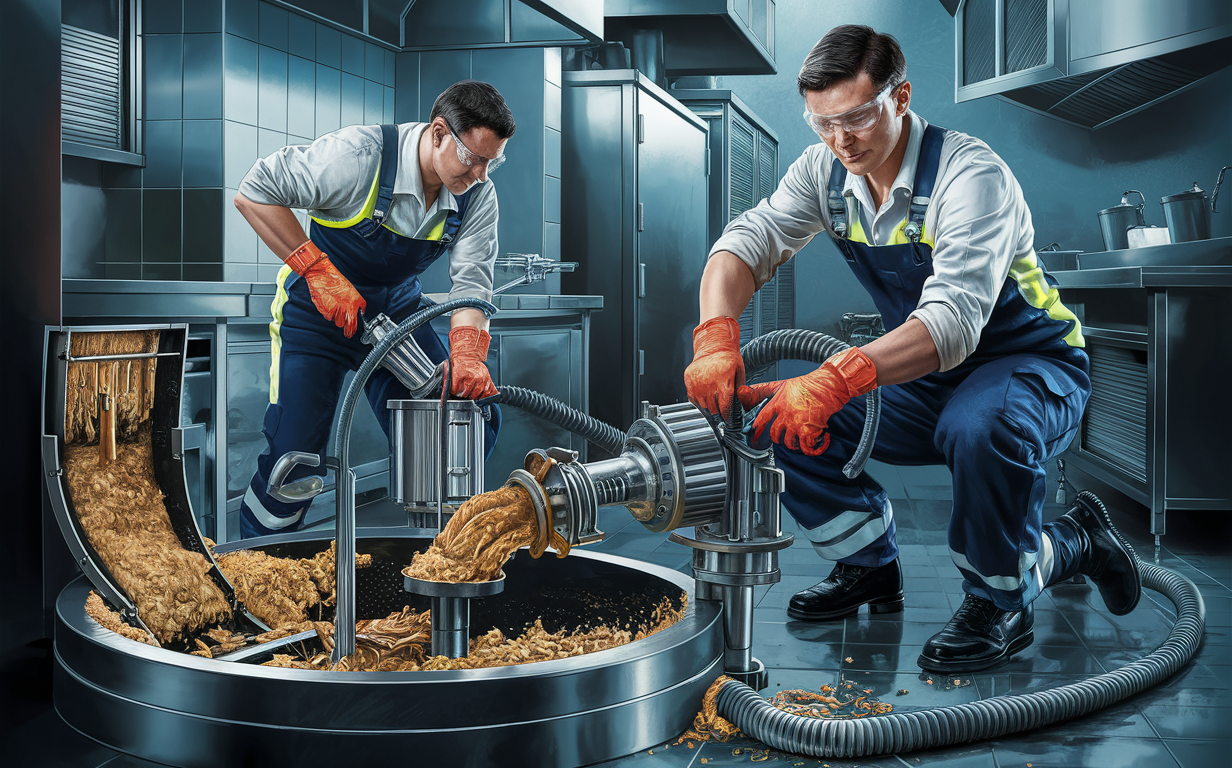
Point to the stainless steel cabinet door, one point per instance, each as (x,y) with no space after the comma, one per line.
(671,247)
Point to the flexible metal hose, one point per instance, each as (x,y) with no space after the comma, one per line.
(814,347)
(979,720)
(605,436)
(758,354)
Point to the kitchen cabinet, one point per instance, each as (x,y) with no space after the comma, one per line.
(1155,321)
(744,170)
(634,198)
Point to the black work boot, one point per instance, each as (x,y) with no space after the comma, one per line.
(980,636)
(1106,557)
(846,589)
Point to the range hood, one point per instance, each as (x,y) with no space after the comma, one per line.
(445,24)
(700,37)
(1087,62)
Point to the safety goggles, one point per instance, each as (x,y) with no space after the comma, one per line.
(855,120)
(469,158)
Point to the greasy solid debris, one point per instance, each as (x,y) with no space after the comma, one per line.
(709,725)
(96,608)
(278,590)
(848,700)
(121,510)
(133,382)
(481,536)
(400,642)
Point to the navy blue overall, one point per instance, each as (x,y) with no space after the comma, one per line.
(311,356)
(994,420)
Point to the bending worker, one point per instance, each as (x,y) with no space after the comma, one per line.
(982,367)
(386,202)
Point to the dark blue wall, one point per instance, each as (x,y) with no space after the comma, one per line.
(1067,173)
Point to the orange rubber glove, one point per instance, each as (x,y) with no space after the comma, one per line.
(717,370)
(799,408)
(468,348)
(334,296)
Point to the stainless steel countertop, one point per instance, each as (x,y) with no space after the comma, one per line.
(189,299)
(1197,264)
(1198,253)
(1147,277)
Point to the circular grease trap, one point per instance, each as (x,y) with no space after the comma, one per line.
(189,711)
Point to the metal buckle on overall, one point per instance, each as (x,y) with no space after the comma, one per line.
(838,214)
(914,229)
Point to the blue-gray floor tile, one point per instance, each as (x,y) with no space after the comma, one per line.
(1094,750)
(1200,753)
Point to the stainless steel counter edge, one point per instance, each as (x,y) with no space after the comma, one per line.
(1147,277)
(84,298)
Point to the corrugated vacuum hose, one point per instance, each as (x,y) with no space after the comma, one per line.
(979,720)
(759,354)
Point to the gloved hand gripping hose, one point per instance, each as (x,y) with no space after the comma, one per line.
(814,347)
(979,720)
(758,354)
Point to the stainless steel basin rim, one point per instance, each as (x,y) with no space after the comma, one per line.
(124,693)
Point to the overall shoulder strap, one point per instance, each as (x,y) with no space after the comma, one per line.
(389,169)
(834,199)
(925,179)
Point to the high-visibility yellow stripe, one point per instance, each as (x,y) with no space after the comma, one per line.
(369,207)
(856,234)
(899,237)
(437,231)
(280,299)
(1027,272)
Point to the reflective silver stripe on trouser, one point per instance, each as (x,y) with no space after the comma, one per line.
(1043,566)
(849,532)
(1036,565)
(263,515)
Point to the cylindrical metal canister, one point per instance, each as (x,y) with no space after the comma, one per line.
(1114,222)
(415,450)
(1187,214)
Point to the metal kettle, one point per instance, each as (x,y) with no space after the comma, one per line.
(1187,214)
(1114,222)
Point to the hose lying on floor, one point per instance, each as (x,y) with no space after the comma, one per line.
(758,354)
(979,720)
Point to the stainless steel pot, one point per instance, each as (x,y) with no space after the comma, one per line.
(1187,215)
(1114,222)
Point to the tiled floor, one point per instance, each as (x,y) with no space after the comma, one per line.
(1185,722)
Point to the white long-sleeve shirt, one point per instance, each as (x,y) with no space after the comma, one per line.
(331,178)
(977,218)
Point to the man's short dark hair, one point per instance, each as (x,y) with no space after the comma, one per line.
(474,104)
(847,51)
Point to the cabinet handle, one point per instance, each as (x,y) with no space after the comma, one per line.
(641,279)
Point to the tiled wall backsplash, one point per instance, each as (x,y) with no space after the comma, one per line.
(226,83)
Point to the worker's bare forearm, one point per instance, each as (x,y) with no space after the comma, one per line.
(274,224)
(727,287)
(468,316)
(904,354)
